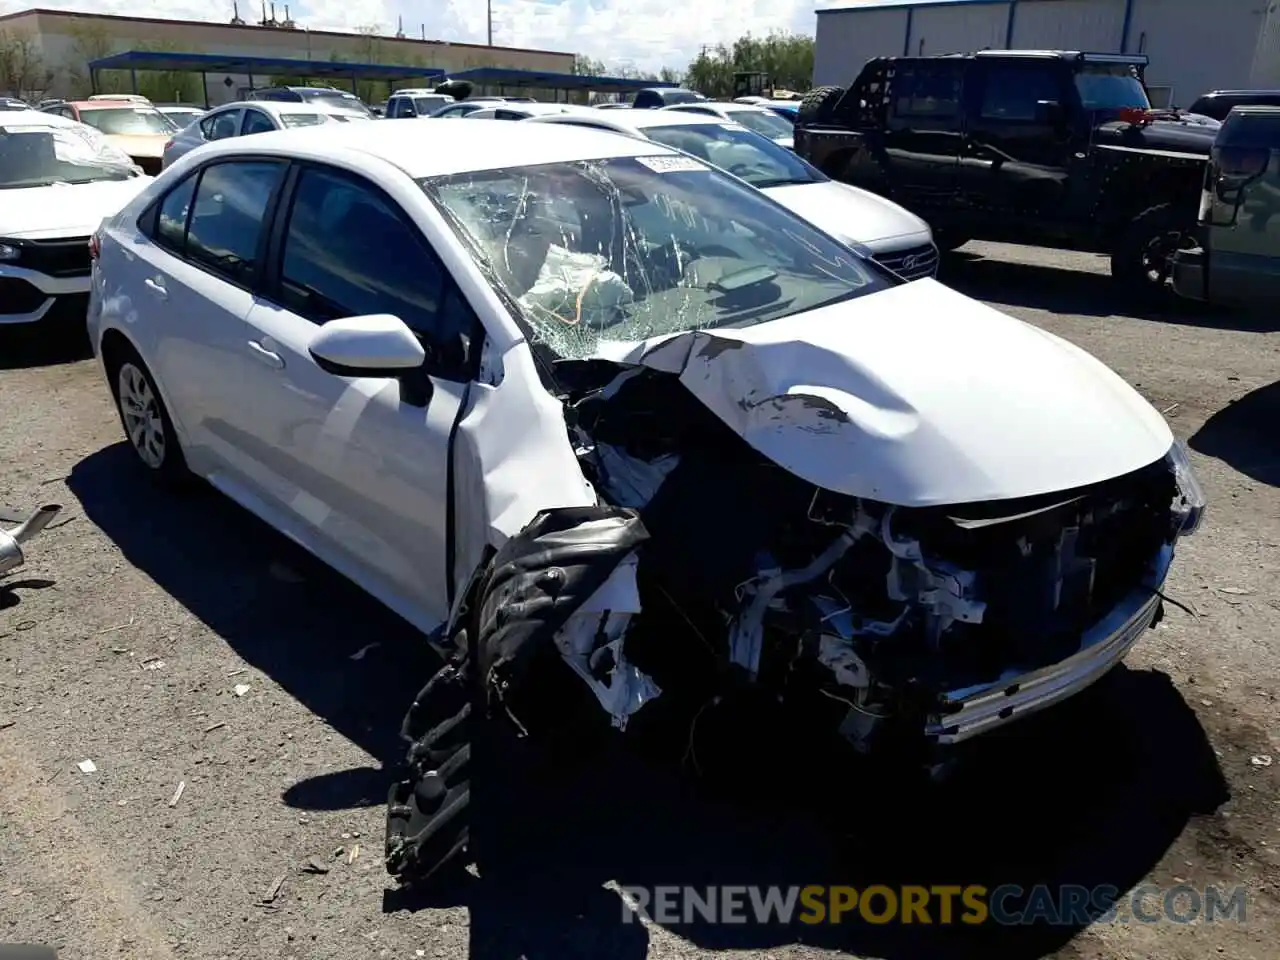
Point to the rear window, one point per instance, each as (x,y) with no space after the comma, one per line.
(336,98)
(1259,130)
(128,121)
(302,119)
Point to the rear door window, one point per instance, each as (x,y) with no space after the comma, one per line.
(224,230)
(220,125)
(927,89)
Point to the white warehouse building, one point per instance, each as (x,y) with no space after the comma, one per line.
(1194,45)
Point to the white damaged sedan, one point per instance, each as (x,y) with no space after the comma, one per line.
(620,432)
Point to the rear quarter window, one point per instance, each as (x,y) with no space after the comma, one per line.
(1261,130)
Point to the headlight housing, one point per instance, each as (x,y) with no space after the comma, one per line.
(1190,504)
(9,252)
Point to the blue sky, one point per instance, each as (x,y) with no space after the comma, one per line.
(646,34)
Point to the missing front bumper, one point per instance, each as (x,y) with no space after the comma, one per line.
(967,713)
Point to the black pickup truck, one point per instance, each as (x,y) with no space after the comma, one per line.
(1053,148)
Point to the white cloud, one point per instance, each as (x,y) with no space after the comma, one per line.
(646,34)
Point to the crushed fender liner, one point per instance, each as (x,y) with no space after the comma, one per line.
(559,593)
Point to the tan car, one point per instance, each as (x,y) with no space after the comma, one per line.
(139,129)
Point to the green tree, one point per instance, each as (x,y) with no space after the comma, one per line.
(588,66)
(22,68)
(786,58)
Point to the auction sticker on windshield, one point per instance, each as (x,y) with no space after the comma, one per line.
(672,164)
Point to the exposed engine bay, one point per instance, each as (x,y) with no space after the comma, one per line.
(708,569)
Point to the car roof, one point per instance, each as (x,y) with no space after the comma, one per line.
(35,118)
(538,109)
(639,119)
(111,104)
(1256,110)
(282,106)
(1239,93)
(472,146)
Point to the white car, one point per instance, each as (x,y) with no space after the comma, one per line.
(250,117)
(614,429)
(752,116)
(524,111)
(414,103)
(58,179)
(897,238)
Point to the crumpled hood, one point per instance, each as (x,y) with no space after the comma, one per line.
(64,210)
(849,213)
(916,396)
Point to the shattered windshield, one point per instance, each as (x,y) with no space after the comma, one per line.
(1110,87)
(756,159)
(37,156)
(637,247)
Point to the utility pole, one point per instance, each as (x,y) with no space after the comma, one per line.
(489,8)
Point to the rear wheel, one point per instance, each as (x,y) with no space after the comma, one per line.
(146,421)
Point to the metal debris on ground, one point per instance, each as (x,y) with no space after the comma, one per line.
(151,664)
(87,766)
(118,626)
(6,724)
(215,726)
(177,794)
(1235,591)
(1262,760)
(359,654)
(314,866)
(236,672)
(273,891)
(240,689)
(355,852)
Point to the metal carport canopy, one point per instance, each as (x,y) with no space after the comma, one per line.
(509,77)
(133,60)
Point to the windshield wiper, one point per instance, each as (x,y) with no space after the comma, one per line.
(782,182)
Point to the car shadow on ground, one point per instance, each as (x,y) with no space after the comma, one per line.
(274,605)
(35,346)
(1065,291)
(1087,797)
(1089,794)
(1243,434)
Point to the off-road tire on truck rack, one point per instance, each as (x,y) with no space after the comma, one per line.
(818,105)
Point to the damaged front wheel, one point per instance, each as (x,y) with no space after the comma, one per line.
(539,656)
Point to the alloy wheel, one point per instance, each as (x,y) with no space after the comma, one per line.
(140,410)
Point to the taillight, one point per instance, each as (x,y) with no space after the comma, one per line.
(95,247)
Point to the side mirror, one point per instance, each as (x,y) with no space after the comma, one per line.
(1050,112)
(377,345)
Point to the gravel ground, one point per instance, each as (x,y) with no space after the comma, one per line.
(176,641)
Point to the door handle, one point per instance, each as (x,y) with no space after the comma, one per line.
(269,357)
(157,288)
